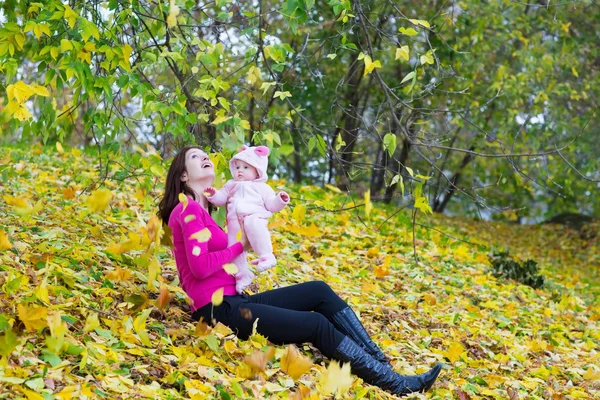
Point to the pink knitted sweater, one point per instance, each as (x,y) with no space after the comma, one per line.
(200,263)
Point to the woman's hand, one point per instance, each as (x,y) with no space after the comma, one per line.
(244,239)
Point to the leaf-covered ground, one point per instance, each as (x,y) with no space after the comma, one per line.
(90,304)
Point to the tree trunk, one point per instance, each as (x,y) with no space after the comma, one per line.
(438,206)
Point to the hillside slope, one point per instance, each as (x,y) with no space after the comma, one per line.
(90,303)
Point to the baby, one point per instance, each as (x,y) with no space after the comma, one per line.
(248,197)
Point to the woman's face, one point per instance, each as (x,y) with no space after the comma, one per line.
(199,168)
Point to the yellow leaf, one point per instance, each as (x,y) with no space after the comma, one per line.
(20,91)
(153,272)
(40,90)
(201,236)
(259,359)
(430,299)
(65,45)
(59,148)
(91,322)
(217,297)
(231,269)
(541,372)
(578,393)
(333,188)
(421,22)
(336,378)
(403,52)
(591,375)
(454,351)
(312,230)
(173,13)
(31,395)
(537,345)
(5,244)
(220,120)
(41,292)
(245,124)
(295,364)
(184,199)
(139,324)
(202,328)
(33,318)
(408,32)
(370,65)
(299,213)
(99,199)
(427,58)
(58,327)
(70,15)
(254,75)
(22,113)
(368,204)
(119,274)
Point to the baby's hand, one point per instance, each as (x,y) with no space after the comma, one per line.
(284,196)
(210,191)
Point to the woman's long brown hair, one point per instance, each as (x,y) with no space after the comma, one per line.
(174,185)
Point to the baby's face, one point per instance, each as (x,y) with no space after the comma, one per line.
(244,171)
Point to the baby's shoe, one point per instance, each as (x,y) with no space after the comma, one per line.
(242,280)
(265,262)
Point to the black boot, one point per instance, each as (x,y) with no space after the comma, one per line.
(372,371)
(347,322)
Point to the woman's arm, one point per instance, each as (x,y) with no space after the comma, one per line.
(196,235)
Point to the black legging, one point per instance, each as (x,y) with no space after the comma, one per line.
(284,315)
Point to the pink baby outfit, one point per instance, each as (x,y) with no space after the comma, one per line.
(254,202)
(200,264)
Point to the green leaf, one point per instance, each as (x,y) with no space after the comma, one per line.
(50,358)
(390,143)
(212,343)
(8,342)
(339,142)
(286,149)
(409,76)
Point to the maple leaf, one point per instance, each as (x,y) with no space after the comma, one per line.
(119,274)
(336,378)
(91,322)
(259,359)
(455,350)
(5,244)
(295,364)
(591,374)
(99,200)
(34,318)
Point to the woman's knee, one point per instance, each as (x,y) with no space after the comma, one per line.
(319,286)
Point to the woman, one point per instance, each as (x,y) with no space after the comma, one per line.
(307,312)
